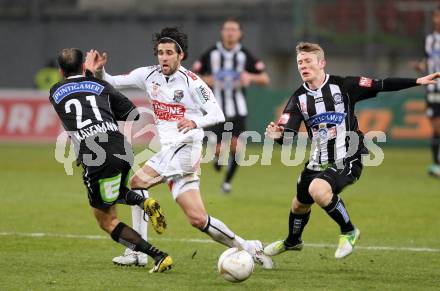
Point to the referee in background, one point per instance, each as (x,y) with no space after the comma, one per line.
(229,68)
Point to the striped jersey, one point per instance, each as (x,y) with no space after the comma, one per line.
(89,108)
(226,66)
(328,114)
(432,53)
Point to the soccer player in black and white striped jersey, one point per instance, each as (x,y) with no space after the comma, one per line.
(325,103)
(431,64)
(229,68)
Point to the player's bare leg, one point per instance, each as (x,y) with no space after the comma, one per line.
(232,165)
(125,235)
(217,165)
(140,225)
(321,192)
(145,178)
(192,205)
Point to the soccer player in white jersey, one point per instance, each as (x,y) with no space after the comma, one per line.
(183,105)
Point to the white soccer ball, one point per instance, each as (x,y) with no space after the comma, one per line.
(235,265)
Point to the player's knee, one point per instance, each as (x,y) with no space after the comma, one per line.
(135,182)
(315,188)
(233,148)
(318,189)
(299,208)
(106,225)
(218,147)
(198,220)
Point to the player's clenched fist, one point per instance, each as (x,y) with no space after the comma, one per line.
(95,61)
(186,125)
(274,131)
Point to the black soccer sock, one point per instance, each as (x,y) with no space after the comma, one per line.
(232,167)
(133,198)
(435,147)
(126,236)
(216,161)
(297,222)
(336,210)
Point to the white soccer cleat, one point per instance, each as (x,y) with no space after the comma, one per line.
(434,171)
(346,243)
(142,259)
(226,188)
(255,248)
(129,258)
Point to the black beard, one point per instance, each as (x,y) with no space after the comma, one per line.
(172,71)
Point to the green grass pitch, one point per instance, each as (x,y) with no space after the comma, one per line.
(396,206)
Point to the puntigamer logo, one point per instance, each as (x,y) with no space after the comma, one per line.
(70,88)
(327,117)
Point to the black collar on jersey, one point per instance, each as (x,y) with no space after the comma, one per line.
(322,85)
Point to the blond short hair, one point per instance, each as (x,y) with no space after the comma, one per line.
(308,47)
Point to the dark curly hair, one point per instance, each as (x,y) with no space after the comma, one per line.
(172,35)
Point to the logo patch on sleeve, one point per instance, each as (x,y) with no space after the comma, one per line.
(365,82)
(203,94)
(191,75)
(260,66)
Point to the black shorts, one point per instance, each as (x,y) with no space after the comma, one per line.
(433,104)
(337,178)
(238,126)
(107,183)
(433,110)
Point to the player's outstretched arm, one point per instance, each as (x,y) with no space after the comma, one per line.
(429,79)
(261,79)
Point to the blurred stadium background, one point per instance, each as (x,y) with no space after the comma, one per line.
(395,204)
(371,38)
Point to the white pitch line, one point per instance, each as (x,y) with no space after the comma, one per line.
(204,241)
(379,248)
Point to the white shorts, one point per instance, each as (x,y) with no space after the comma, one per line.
(179,165)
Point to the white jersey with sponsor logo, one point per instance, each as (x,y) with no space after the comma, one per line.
(174,97)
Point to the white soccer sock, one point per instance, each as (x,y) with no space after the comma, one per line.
(137,216)
(219,232)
